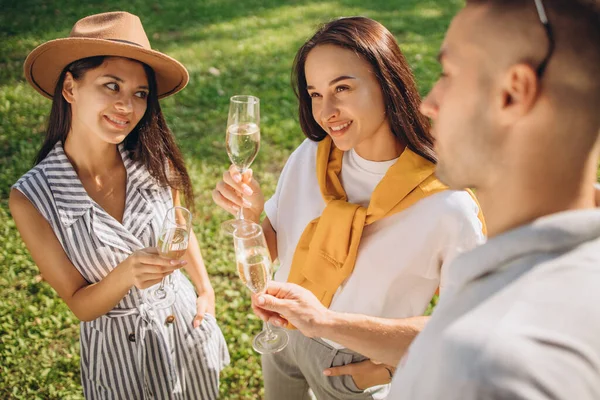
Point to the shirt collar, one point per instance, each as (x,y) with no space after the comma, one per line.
(138,176)
(549,234)
(72,201)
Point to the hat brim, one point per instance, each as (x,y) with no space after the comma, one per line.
(45,63)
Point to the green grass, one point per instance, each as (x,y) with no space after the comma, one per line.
(252,43)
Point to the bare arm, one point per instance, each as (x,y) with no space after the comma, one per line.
(195,263)
(196,269)
(87,301)
(271,237)
(205,302)
(381,339)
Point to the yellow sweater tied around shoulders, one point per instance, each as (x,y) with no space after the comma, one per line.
(327,250)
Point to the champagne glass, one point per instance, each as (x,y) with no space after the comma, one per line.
(242,142)
(254,269)
(172,244)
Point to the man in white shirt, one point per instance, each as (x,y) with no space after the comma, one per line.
(516,116)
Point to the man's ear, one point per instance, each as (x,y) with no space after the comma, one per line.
(519,92)
(68,88)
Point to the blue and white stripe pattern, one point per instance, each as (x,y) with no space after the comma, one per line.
(132,352)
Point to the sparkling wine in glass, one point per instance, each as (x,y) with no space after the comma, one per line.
(242,141)
(172,244)
(254,268)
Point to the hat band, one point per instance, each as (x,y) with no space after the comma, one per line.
(126,42)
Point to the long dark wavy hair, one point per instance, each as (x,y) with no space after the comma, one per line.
(377,46)
(151,142)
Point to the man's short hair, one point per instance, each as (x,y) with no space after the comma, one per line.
(576,31)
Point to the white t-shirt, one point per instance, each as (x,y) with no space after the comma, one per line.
(401,258)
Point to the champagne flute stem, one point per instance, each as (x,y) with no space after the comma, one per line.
(241,210)
(269,333)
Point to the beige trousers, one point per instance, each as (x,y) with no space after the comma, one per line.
(289,374)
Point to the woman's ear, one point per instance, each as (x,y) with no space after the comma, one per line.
(68,88)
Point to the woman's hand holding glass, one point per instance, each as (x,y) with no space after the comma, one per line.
(238,190)
(146,267)
(172,244)
(242,141)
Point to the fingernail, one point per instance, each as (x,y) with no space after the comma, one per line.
(246,203)
(326,372)
(183,262)
(196,323)
(175,262)
(278,322)
(260,301)
(247,190)
(237,178)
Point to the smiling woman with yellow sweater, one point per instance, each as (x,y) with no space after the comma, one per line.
(358,217)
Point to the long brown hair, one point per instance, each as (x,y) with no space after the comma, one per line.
(376,45)
(151,142)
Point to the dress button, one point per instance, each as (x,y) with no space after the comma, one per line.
(131,337)
(170,319)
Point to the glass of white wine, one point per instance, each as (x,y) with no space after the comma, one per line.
(254,269)
(242,142)
(172,244)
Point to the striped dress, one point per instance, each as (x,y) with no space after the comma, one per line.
(134,351)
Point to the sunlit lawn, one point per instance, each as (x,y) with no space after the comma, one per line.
(230,47)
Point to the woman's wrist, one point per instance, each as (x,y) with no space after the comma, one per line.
(204,288)
(122,274)
(251,215)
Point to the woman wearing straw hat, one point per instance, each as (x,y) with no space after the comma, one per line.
(91,208)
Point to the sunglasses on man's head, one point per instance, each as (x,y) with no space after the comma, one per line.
(544,20)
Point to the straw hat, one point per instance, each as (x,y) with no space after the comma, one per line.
(117,34)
